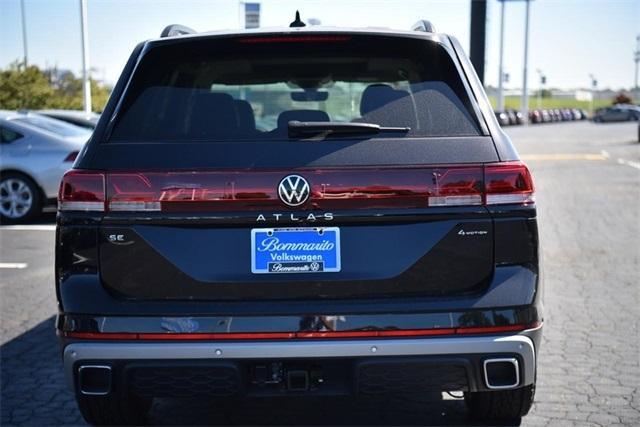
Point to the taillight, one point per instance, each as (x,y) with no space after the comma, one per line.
(131,192)
(81,191)
(335,188)
(456,186)
(508,183)
(191,191)
(71,157)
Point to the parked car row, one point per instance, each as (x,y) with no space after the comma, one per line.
(509,117)
(557,115)
(513,117)
(36,151)
(614,113)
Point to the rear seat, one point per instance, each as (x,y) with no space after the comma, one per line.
(213,116)
(246,118)
(386,106)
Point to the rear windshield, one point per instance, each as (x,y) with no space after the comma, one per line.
(251,88)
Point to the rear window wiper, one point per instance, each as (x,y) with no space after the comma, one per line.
(297,128)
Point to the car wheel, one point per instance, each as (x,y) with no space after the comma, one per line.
(114,409)
(500,406)
(20,198)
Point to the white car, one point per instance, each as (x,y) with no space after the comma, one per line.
(35,151)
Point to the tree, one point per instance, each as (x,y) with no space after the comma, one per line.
(24,87)
(622,98)
(546,93)
(32,88)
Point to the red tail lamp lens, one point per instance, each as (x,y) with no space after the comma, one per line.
(508,183)
(331,188)
(81,191)
(456,187)
(131,192)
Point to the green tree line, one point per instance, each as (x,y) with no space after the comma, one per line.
(29,87)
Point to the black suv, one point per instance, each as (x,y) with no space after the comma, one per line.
(304,211)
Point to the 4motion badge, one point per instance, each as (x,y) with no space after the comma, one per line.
(472,232)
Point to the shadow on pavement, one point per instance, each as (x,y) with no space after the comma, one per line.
(33,387)
(48,217)
(34,392)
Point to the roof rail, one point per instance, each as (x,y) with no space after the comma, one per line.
(176,30)
(423,25)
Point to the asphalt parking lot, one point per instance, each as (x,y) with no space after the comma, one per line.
(588,186)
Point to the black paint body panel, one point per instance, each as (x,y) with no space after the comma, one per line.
(437,278)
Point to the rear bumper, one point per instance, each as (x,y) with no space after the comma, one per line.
(468,353)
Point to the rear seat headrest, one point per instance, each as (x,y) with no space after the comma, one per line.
(244,112)
(386,106)
(213,115)
(377,95)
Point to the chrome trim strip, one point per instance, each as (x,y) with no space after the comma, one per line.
(511,360)
(95,351)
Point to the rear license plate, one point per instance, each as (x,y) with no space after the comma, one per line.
(295,250)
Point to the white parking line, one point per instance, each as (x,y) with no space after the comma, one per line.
(18,265)
(604,155)
(564,156)
(629,163)
(34,227)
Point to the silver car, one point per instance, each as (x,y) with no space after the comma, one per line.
(75,117)
(35,151)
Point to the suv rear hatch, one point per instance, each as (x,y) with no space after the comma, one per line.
(189,174)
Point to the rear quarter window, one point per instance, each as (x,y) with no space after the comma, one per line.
(7,135)
(250,88)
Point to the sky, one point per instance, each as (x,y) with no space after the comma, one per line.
(569,39)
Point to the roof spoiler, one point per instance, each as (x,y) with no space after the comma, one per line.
(176,30)
(423,25)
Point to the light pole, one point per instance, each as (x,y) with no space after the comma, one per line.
(24,32)
(501,70)
(594,85)
(84,37)
(543,80)
(524,106)
(636,58)
(525,86)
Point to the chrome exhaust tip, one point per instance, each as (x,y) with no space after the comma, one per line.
(502,373)
(94,380)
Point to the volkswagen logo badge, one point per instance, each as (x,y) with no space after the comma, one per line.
(294,190)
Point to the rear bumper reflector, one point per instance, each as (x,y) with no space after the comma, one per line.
(170,336)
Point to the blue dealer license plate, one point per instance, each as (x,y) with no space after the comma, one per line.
(295,250)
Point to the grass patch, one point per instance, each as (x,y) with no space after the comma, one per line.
(547,103)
